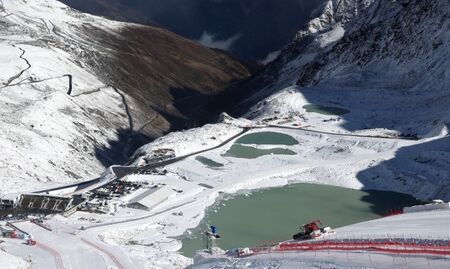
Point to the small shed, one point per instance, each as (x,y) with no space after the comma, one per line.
(151,198)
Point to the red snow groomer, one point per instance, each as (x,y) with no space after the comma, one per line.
(312,230)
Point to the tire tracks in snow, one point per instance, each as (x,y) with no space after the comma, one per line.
(46,26)
(11,79)
(2,9)
(91,91)
(104,251)
(56,255)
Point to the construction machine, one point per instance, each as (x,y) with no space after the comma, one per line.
(312,230)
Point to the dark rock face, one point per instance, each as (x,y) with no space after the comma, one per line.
(257,27)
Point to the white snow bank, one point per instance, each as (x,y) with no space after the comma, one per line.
(331,37)
(8,261)
(192,140)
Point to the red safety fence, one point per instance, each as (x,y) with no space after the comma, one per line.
(394,246)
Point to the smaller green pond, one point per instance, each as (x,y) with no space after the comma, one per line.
(267,138)
(245,152)
(208,162)
(275,214)
(325,110)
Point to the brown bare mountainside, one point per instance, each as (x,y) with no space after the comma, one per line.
(167,81)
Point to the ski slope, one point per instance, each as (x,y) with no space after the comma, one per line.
(419,226)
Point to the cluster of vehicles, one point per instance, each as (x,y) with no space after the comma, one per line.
(9,232)
(105,199)
(116,189)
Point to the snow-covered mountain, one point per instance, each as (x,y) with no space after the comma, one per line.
(76,91)
(387,63)
(398,45)
(384,61)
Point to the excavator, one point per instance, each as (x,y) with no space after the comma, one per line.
(312,230)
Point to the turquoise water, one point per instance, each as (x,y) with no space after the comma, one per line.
(245,152)
(267,138)
(208,162)
(325,110)
(240,150)
(275,214)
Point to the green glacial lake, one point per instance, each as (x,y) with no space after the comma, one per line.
(245,152)
(208,162)
(267,138)
(325,110)
(275,214)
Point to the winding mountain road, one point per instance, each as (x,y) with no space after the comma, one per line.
(122,171)
(344,134)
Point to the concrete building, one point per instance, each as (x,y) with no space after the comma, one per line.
(151,198)
(46,203)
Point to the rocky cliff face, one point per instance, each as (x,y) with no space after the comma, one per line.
(407,39)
